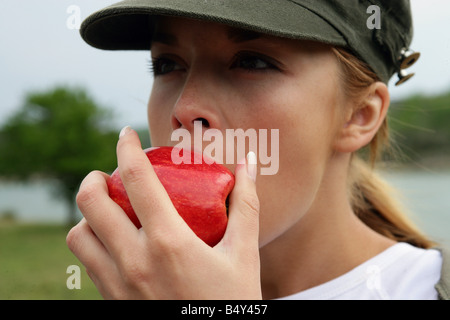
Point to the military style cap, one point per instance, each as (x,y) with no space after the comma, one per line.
(377,31)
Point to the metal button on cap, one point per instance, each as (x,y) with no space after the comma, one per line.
(403,76)
(408,58)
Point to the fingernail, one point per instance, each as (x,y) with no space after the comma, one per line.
(124,131)
(251,165)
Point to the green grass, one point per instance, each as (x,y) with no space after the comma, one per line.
(33,264)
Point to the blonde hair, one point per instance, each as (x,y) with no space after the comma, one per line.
(372,198)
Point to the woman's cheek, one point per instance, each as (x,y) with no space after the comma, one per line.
(288,195)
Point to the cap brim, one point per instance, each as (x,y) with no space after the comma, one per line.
(127,25)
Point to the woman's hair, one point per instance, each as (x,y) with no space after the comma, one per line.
(372,198)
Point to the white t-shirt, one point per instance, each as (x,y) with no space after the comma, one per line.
(401,272)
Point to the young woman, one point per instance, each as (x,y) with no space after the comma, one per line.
(324,226)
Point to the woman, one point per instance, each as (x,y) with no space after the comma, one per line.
(323,226)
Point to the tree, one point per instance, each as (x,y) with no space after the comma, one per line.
(61,134)
(420,125)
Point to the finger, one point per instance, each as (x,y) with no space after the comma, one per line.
(90,251)
(99,265)
(147,195)
(243,225)
(107,220)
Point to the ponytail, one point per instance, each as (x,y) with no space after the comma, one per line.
(373,202)
(372,199)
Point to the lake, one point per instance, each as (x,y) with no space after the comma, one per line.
(426,195)
(32,202)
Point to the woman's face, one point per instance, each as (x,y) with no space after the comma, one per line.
(234,79)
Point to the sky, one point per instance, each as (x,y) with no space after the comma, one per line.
(38,51)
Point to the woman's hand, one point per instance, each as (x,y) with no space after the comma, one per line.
(164,259)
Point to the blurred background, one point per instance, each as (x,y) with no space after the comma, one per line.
(64,102)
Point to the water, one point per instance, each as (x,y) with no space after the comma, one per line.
(32,202)
(426,195)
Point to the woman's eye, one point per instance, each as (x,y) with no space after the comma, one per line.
(162,66)
(252,62)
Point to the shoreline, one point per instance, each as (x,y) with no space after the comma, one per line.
(428,164)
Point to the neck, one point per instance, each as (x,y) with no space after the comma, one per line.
(328,241)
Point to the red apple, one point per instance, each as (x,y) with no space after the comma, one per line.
(198,191)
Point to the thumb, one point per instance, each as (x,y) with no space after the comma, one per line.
(243,218)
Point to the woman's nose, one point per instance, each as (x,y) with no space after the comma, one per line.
(196,103)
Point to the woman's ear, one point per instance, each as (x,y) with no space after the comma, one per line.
(364,120)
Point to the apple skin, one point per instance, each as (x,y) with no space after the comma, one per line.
(198,191)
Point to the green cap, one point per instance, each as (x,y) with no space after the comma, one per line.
(379,32)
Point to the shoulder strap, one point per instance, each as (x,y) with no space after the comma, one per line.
(443,286)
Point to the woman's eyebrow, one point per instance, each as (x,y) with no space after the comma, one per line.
(240,35)
(164,38)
